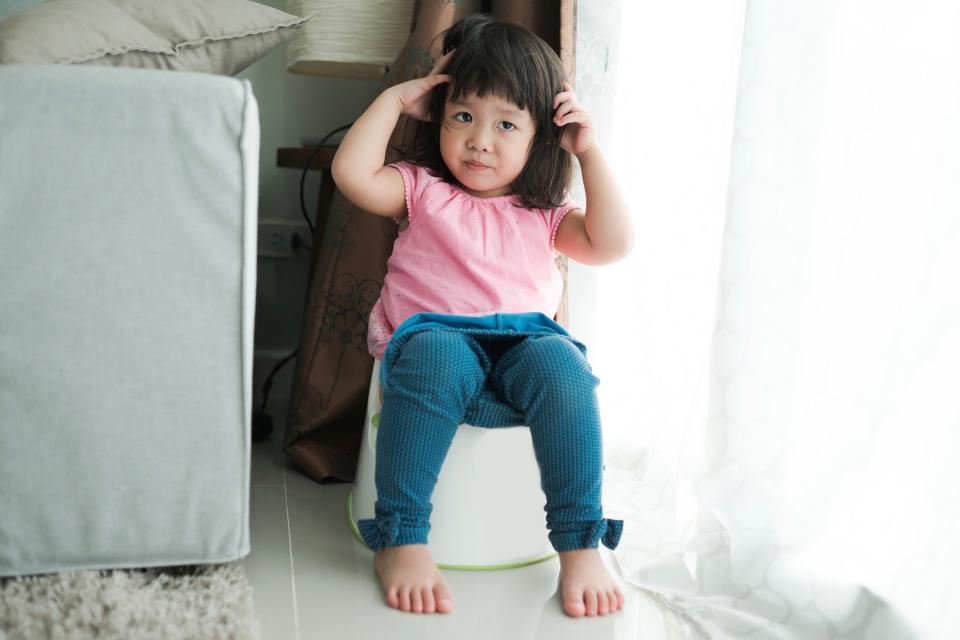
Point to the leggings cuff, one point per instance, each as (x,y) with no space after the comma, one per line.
(603,530)
(386,531)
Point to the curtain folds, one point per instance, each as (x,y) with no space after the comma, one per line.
(332,375)
(816,493)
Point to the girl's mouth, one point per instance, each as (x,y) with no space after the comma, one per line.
(476,166)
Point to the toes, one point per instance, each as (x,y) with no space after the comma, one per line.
(619,598)
(573,601)
(393,599)
(590,599)
(405,599)
(429,604)
(444,598)
(574,608)
(603,607)
(416,601)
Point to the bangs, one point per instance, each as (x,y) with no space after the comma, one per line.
(505,61)
(485,76)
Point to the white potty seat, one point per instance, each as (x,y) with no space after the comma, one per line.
(488,507)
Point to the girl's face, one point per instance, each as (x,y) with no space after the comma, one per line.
(485,143)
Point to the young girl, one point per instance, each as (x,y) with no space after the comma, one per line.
(463,324)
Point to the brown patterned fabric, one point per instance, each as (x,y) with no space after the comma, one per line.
(332,376)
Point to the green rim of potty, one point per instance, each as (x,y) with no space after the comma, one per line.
(454,567)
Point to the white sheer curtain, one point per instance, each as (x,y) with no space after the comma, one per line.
(780,359)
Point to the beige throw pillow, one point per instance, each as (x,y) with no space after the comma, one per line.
(214,36)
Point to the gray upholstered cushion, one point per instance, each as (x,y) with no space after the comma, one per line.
(10,7)
(127,273)
(215,36)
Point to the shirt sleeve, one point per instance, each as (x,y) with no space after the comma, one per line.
(557,215)
(414,182)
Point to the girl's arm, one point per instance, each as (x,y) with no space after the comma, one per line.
(358,167)
(604,232)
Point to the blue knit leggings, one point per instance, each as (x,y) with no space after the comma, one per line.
(426,395)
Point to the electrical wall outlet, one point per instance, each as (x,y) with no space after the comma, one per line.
(283,239)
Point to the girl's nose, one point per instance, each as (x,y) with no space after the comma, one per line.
(479,141)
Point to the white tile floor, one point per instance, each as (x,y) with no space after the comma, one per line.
(313,579)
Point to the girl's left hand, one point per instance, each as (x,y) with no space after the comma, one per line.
(579,133)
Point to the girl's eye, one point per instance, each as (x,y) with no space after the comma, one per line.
(463,116)
(507,126)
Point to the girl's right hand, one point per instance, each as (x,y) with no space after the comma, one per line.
(414,95)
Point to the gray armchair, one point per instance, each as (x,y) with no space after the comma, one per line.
(128,203)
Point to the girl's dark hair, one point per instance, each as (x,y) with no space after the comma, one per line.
(510,62)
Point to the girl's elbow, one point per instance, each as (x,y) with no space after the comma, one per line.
(622,248)
(614,254)
(336,169)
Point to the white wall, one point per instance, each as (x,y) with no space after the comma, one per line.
(292,107)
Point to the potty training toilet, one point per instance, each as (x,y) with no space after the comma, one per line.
(487,505)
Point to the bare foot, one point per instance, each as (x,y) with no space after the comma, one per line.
(586,586)
(411,581)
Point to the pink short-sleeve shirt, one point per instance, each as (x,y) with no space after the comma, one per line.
(466,255)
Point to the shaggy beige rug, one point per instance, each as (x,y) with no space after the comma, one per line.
(182,602)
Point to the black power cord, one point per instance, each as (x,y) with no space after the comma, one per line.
(262,422)
(306,167)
